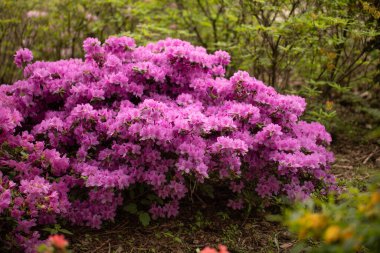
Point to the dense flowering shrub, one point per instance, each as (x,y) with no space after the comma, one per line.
(74,134)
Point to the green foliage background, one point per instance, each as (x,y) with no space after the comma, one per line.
(324,50)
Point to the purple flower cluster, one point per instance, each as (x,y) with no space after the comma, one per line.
(23,56)
(74,134)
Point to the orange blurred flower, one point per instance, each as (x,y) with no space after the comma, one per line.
(222,249)
(347,233)
(375,198)
(208,250)
(58,241)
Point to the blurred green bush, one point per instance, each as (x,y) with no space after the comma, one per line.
(326,50)
(350,223)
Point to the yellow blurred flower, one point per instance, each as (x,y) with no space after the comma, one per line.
(366,5)
(314,220)
(363,208)
(377,15)
(369,208)
(331,55)
(330,66)
(332,234)
(358,243)
(302,234)
(329,105)
(375,198)
(311,222)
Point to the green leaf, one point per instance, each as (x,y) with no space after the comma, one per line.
(65,231)
(42,248)
(207,190)
(374,134)
(146,202)
(144,218)
(299,247)
(373,112)
(273,218)
(131,208)
(48,230)
(177,239)
(24,155)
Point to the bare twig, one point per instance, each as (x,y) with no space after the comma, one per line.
(101,246)
(343,166)
(370,155)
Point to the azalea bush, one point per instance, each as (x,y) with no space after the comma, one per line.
(80,137)
(349,224)
(324,50)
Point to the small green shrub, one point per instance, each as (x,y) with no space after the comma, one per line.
(349,224)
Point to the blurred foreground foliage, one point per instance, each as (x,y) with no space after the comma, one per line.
(349,223)
(325,50)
